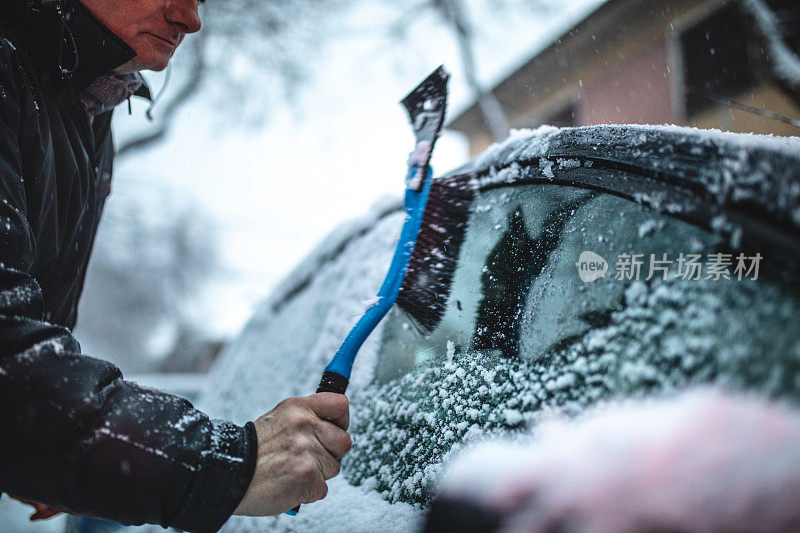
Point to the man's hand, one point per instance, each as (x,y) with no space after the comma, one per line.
(300,443)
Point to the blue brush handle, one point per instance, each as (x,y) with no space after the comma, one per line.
(337,374)
(342,362)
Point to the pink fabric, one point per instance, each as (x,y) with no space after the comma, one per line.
(108,92)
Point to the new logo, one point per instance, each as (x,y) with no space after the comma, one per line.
(591,266)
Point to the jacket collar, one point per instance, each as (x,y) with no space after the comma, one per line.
(92,51)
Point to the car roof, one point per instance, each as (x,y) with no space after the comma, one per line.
(744,187)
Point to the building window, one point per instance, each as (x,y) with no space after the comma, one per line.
(718,59)
(563,118)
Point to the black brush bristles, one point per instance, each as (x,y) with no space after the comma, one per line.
(429,277)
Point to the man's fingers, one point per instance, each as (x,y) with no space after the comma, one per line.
(331,407)
(335,440)
(314,484)
(328,464)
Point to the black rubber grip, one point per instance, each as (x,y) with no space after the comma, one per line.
(333,382)
(330,382)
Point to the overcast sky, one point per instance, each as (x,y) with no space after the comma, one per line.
(275,192)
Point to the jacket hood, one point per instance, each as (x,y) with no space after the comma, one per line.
(88,49)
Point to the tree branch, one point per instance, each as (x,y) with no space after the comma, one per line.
(492,111)
(786,63)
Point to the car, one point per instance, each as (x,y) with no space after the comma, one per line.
(598,263)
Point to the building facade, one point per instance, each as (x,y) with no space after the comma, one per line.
(688,62)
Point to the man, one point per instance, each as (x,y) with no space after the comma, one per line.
(74,435)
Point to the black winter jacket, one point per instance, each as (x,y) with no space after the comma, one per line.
(73,434)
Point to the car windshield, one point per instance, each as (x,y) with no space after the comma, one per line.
(563,297)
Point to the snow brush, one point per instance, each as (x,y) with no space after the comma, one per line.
(426,109)
(422,268)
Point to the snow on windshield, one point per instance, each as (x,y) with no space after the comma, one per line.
(667,336)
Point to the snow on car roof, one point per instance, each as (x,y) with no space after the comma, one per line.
(745,170)
(531,143)
(526,144)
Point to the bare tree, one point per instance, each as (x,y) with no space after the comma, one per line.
(775,26)
(454,14)
(457,17)
(258,50)
(144,276)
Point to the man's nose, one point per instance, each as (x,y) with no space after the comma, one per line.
(184,13)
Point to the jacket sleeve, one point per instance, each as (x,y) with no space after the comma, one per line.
(73,434)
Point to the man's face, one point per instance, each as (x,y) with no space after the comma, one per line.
(153,28)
